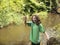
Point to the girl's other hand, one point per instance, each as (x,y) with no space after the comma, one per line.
(47,36)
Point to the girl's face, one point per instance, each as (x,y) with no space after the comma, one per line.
(34,18)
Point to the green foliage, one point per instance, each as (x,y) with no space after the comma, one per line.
(12,10)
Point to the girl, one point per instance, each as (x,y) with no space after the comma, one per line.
(36,28)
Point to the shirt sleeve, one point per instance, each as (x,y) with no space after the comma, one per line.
(41,28)
(29,23)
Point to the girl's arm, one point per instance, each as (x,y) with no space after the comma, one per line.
(47,36)
(29,23)
(26,22)
(43,30)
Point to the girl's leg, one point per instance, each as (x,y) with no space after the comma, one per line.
(38,44)
(35,44)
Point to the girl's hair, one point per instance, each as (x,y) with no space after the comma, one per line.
(37,19)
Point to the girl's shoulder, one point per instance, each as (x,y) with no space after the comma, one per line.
(41,24)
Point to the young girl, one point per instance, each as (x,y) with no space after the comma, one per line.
(36,28)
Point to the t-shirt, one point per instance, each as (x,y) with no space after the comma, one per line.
(35,32)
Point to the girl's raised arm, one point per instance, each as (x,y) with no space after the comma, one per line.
(29,23)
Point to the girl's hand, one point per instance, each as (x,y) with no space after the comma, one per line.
(29,42)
